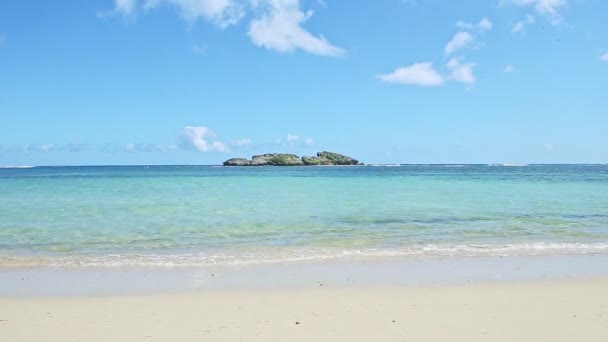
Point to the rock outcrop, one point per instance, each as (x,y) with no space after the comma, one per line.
(282,159)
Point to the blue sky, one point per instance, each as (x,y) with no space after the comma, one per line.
(200,81)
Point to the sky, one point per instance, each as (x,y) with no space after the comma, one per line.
(390,81)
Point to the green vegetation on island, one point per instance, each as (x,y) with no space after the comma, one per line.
(283,159)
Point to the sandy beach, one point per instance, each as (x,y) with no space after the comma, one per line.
(522,310)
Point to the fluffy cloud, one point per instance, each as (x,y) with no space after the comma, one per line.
(292,137)
(276,24)
(422,74)
(281,29)
(309,142)
(485,24)
(461,72)
(200,138)
(460,40)
(604,57)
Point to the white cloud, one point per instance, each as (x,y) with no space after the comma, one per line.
(125,7)
(277,24)
(280,29)
(548,8)
(549,147)
(604,57)
(461,72)
(199,49)
(483,25)
(509,69)
(292,137)
(221,12)
(422,74)
(146,147)
(199,137)
(520,25)
(241,142)
(460,40)
(309,142)
(39,148)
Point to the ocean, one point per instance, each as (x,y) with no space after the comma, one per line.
(168,216)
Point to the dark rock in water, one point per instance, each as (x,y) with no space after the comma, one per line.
(277,159)
(332,158)
(237,162)
(282,159)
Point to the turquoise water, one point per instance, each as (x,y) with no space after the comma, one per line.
(197,215)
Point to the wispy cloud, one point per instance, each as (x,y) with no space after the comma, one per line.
(223,13)
(199,49)
(147,147)
(202,139)
(3,40)
(467,34)
(509,69)
(294,140)
(484,25)
(44,148)
(241,142)
(125,6)
(460,40)
(521,25)
(547,8)
(421,74)
(280,29)
(604,57)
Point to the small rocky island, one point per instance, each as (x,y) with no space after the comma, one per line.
(282,159)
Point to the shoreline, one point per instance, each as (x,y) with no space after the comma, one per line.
(548,298)
(351,273)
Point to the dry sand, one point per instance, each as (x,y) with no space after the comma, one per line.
(556,310)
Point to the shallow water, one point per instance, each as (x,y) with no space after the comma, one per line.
(198,215)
